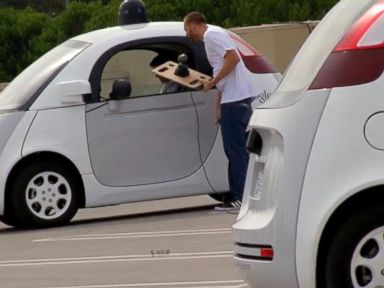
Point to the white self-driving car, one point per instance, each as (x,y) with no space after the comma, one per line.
(86,126)
(313,209)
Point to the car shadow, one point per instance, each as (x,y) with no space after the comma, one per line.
(140,215)
(96,220)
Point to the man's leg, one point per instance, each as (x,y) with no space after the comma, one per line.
(234,121)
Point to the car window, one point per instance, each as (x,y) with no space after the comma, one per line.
(132,65)
(135,66)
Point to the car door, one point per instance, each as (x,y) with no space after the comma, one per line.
(146,138)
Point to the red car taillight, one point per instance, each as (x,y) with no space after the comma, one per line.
(359,56)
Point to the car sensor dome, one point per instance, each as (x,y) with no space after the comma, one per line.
(132,12)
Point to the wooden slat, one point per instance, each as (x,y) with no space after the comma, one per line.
(193,81)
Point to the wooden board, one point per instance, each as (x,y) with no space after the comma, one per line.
(193,81)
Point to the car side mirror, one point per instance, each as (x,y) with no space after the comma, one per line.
(121,89)
(73,92)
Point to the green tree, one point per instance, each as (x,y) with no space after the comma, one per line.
(17,31)
(26,32)
(51,6)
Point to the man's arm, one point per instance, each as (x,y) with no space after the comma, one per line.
(230,61)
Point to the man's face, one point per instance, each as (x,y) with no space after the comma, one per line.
(192,31)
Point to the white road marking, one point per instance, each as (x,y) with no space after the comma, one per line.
(109,236)
(217,284)
(119,258)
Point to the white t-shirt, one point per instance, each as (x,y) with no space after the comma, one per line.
(237,84)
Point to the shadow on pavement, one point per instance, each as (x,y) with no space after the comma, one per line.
(73,223)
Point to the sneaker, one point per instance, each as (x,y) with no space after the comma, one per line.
(229,206)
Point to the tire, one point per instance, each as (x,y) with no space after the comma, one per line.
(9,218)
(220,197)
(44,195)
(356,253)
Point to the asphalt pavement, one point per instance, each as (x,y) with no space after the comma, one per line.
(171,243)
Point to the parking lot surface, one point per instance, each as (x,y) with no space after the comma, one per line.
(168,243)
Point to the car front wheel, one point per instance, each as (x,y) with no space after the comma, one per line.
(43,195)
(355,258)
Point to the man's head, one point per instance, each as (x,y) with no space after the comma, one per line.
(195,25)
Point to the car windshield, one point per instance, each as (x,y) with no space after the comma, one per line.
(311,56)
(30,83)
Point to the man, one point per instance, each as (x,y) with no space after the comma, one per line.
(233,105)
(168,86)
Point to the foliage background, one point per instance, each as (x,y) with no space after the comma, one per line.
(29,28)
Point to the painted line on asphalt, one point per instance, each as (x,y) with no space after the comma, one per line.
(110,236)
(119,258)
(200,284)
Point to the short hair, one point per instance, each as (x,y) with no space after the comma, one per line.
(195,17)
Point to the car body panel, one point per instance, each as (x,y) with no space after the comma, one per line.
(195,184)
(60,131)
(126,148)
(216,166)
(205,103)
(12,150)
(8,122)
(322,196)
(265,216)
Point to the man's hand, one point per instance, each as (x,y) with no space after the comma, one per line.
(208,85)
(230,61)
